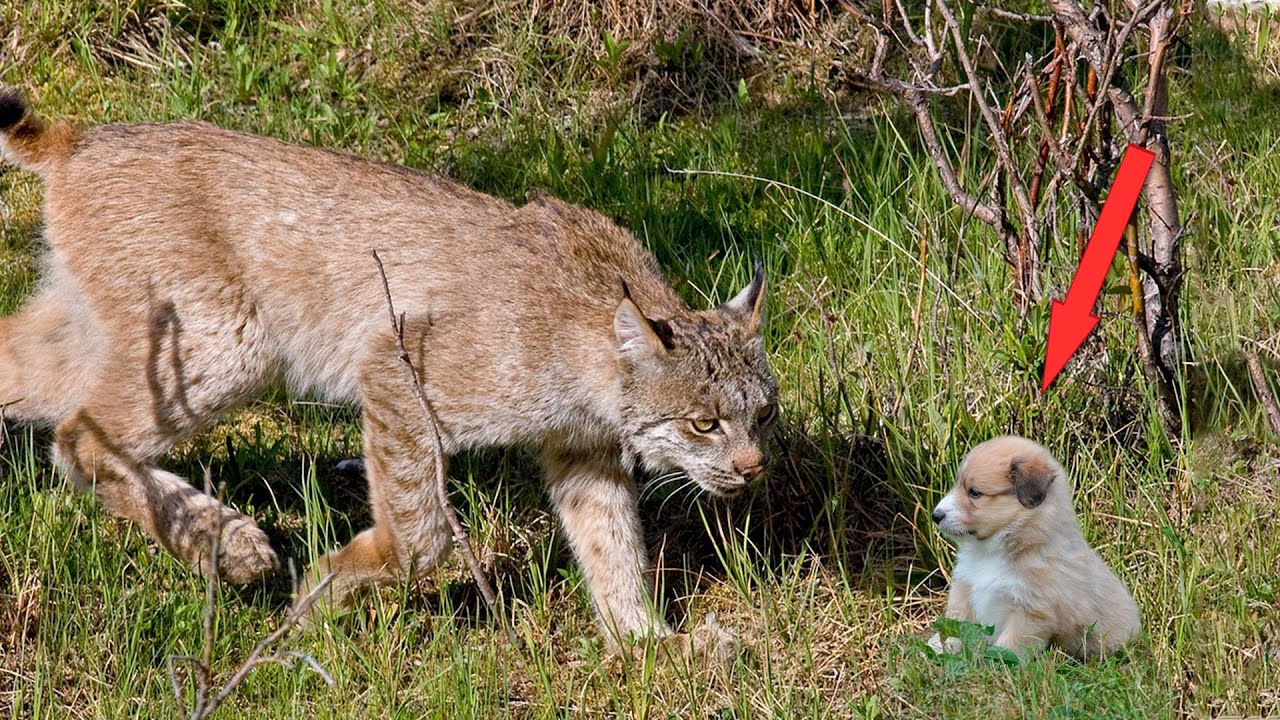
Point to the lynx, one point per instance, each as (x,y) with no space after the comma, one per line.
(189,267)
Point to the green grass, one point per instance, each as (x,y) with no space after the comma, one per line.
(830,574)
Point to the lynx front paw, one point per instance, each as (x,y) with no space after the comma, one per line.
(324,593)
(244,553)
(708,646)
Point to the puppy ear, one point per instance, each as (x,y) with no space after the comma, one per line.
(1031,479)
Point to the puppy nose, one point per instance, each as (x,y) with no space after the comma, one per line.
(749,473)
(938,515)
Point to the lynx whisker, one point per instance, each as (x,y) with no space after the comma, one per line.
(689,483)
(654,485)
(686,505)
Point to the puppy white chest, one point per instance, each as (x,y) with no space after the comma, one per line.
(993,584)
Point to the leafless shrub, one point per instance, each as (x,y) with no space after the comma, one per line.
(1057,125)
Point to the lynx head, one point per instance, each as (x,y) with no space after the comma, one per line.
(697,392)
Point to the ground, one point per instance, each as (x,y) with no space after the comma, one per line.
(892,324)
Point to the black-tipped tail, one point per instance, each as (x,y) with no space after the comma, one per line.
(27,139)
(12,109)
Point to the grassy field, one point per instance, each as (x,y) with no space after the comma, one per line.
(893,329)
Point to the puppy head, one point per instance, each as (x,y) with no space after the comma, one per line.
(1000,485)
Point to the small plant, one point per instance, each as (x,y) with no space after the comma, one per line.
(974,644)
(614,53)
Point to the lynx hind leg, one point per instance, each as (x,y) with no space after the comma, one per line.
(410,532)
(167,373)
(597,505)
(47,355)
(89,447)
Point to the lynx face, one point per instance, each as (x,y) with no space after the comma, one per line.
(698,394)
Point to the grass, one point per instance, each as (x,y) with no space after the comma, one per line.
(831,573)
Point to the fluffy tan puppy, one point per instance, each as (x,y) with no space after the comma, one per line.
(1023,565)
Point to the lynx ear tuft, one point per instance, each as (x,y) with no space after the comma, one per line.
(635,333)
(749,303)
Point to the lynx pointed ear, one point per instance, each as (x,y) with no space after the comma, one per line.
(1031,479)
(749,303)
(636,336)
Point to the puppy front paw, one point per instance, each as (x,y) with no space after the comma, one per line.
(949,646)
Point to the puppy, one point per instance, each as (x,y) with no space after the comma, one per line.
(1022,564)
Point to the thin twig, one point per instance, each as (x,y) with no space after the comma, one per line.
(1139,305)
(1003,153)
(256,658)
(1061,158)
(1011,15)
(205,667)
(205,705)
(1043,109)
(442,485)
(871,228)
(1263,390)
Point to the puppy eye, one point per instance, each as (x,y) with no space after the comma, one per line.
(974,494)
(767,414)
(704,426)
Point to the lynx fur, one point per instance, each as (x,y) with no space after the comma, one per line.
(188,268)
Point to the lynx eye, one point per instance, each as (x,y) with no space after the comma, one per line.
(767,414)
(704,425)
(975,494)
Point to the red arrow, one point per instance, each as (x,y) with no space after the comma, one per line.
(1070,322)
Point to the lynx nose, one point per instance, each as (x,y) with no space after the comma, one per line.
(938,515)
(749,473)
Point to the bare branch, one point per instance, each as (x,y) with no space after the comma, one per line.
(916,95)
(986,212)
(1061,158)
(906,25)
(1022,247)
(1011,15)
(1149,368)
(994,126)
(442,484)
(1264,391)
(1093,45)
(202,667)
